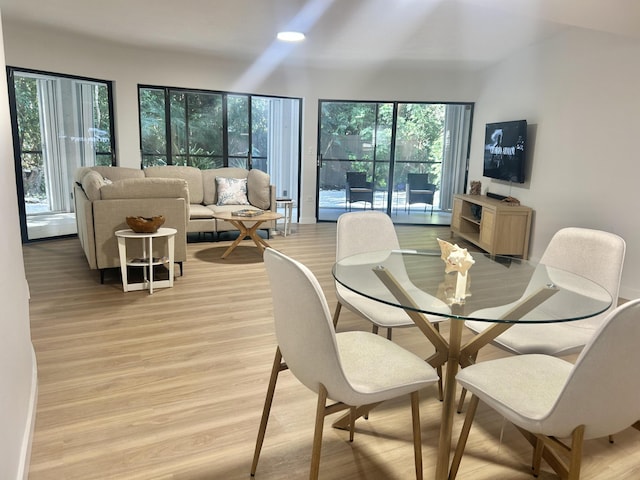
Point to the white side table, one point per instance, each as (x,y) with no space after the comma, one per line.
(287,203)
(147,261)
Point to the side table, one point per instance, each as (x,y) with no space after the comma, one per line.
(287,203)
(147,261)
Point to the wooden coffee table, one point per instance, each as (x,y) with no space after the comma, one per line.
(248,227)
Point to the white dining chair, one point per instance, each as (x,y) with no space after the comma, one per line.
(558,405)
(363,232)
(592,254)
(351,368)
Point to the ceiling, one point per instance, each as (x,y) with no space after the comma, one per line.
(466,34)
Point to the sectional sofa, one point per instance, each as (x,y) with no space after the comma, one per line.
(187,197)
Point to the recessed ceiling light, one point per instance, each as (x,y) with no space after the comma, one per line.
(291,36)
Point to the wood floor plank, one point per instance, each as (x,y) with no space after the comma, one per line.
(171,385)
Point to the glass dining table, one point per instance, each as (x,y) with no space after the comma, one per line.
(499,290)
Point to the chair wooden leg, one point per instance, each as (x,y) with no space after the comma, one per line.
(277,367)
(463,394)
(336,314)
(463,391)
(374,329)
(552,448)
(317,434)
(575,459)
(464,435)
(389,330)
(352,422)
(537,457)
(417,438)
(439,371)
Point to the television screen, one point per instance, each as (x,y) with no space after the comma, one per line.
(504,150)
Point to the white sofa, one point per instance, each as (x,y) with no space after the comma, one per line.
(186,196)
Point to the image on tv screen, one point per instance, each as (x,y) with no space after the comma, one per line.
(504,149)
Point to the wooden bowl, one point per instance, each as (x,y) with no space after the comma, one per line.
(145,224)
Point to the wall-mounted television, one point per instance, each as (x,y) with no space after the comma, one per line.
(504,150)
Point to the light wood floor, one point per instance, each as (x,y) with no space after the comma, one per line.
(171,385)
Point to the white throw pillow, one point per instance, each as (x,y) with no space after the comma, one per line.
(232,191)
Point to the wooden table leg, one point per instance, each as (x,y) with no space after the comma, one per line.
(260,242)
(245,232)
(446,424)
(241,236)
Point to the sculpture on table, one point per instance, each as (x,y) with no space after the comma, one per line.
(458,260)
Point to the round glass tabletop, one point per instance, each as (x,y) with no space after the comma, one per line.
(496,289)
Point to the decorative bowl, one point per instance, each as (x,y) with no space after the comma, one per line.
(145,224)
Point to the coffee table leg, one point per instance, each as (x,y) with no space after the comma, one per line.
(241,236)
(245,232)
(257,239)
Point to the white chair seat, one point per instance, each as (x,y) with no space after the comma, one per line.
(531,386)
(373,381)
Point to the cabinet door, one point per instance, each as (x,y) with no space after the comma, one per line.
(487,229)
(456,213)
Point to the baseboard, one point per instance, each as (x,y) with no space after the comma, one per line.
(25,450)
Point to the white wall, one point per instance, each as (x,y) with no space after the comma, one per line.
(18,381)
(579,93)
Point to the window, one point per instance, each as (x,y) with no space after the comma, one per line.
(60,123)
(207,129)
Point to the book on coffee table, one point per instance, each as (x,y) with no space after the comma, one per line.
(247,212)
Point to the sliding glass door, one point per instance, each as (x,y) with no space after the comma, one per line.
(349,141)
(60,123)
(389,142)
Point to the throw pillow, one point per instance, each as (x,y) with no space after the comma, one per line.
(232,191)
(259,191)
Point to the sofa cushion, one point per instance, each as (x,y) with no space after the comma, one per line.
(209,181)
(197,210)
(232,191)
(258,189)
(192,175)
(146,188)
(91,183)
